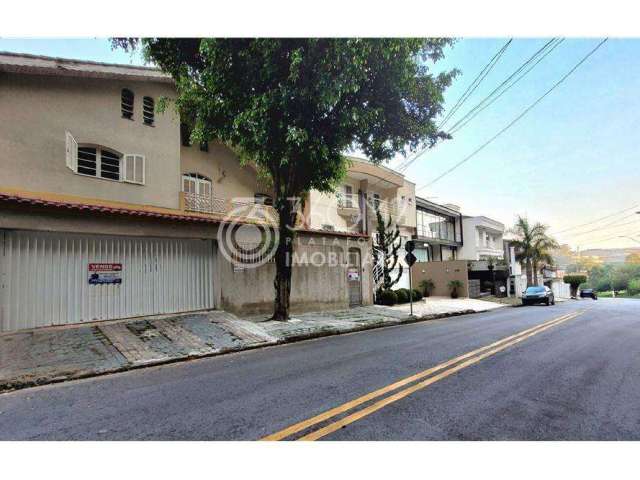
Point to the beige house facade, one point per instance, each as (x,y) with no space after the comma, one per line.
(107,211)
(352,208)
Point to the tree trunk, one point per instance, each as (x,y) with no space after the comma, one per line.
(529,269)
(287,215)
(535,273)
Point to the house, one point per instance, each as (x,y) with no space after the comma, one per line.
(484,250)
(482,238)
(366,189)
(108,212)
(516,282)
(438,231)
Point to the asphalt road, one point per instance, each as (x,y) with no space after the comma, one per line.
(576,380)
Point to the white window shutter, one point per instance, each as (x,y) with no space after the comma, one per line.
(71,152)
(134,168)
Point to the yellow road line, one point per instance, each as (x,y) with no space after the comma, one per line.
(298,427)
(419,386)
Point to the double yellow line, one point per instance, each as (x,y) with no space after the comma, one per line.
(456,364)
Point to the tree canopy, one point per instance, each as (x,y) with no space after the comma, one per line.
(295,106)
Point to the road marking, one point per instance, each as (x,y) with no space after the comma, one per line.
(473,357)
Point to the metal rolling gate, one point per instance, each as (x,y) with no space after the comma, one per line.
(63,278)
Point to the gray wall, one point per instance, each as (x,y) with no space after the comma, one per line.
(314,286)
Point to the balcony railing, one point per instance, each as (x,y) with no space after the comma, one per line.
(244,208)
(386,208)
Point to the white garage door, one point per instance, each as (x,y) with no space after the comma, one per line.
(55,279)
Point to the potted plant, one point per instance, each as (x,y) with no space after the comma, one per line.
(454,286)
(427,287)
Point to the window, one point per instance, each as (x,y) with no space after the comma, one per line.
(196,184)
(134,169)
(263,199)
(101,162)
(98,162)
(348,196)
(126,103)
(148,110)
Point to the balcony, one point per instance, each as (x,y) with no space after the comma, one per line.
(387,209)
(347,205)
(488,251)
(233,209)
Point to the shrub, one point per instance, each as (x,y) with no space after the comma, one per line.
(455,286)
(388,297)
(402,295)
(427,286)
(574,281)
(417,295)
(634,286)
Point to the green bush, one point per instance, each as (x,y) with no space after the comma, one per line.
(417,295)
(427,286)
(387,297)
(455,286)
(574,281)
(402,295)
(634,286)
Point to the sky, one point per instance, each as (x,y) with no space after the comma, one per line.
(571,160)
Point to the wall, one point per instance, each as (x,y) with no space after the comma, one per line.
(314,286)
(441,273)
(37,110)
(229,179)
(473,228)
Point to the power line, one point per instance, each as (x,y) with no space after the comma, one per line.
(597,220)
(479,107)
(515,120)
(463,98)
(474,85)
(543,52)
(610,225)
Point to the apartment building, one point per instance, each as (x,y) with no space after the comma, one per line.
(108,212)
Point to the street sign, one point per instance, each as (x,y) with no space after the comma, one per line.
(410,246)
(410,258)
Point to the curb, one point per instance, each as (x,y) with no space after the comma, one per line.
(14,385)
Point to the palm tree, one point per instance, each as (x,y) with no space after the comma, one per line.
(524,243)
(533,246)
(542,247)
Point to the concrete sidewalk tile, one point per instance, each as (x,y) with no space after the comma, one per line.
(44,356)
(248,331)
(183,337)
(130,345)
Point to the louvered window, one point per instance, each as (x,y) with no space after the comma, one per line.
(148,110)
(126,103)
(99,162)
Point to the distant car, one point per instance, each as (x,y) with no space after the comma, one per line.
(533,295)
(588,293)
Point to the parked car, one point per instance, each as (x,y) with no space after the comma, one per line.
(588,293)
(533,295)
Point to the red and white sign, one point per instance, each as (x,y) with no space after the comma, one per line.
(105,273)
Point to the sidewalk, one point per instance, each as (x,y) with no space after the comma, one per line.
(56,354)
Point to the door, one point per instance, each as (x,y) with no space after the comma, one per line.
(354,277)
(62,278)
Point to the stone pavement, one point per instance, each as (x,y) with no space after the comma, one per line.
(55,354)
